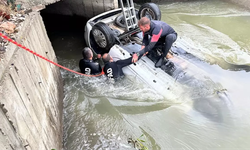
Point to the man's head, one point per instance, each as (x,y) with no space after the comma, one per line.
(87,53)
(107,58)
(144,24)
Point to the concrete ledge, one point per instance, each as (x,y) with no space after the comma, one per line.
(85,8)
(31,92)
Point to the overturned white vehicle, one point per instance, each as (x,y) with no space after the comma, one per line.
(116,32)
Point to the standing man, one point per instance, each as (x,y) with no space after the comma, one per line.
(87,65)
(113,69)
(160,33)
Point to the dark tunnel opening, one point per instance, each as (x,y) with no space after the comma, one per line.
(69,28)
(56,23)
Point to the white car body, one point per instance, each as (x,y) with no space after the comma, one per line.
(145,70)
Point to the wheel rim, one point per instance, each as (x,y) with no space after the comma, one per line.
(147,12)
(100,38)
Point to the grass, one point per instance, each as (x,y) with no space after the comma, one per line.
(138,143)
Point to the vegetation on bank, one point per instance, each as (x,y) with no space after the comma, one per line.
(138,143)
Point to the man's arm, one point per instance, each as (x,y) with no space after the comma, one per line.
(124,62)
(80,66)
(145,49)
(145,39)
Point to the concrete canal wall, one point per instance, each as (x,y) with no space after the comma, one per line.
(86,8)
(31,92)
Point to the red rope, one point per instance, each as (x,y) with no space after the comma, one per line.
(27,49)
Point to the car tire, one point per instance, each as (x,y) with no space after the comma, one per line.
(120,21)
(150,10)
(103,36)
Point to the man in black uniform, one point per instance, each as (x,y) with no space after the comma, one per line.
(87,65)
(113,69)
(159,32)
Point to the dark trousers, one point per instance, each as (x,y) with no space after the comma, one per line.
(169,40)
(165,43)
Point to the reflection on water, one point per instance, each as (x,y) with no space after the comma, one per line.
(102,115)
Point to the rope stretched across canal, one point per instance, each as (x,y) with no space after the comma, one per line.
(34,53)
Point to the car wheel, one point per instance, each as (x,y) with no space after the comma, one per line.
(103,36)
(120,20)
(150,10)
